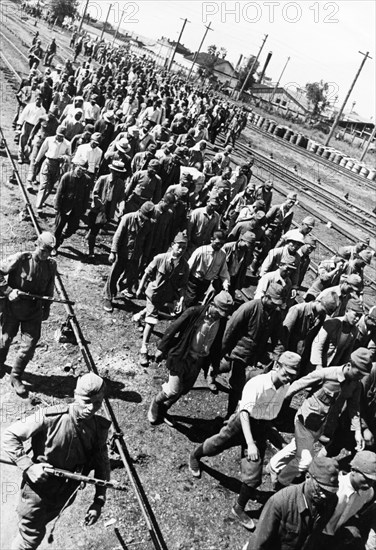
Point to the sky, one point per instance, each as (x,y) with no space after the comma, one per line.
(322,39)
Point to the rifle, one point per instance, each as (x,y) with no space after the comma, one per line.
(58,472)
(23,294)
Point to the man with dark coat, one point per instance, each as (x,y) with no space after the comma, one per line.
(294,518)
(71,201)
(303,322)
(170,169)
(246,338)
(129,251)
(187,344)
(107,203)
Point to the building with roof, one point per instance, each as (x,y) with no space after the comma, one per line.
(285,101)
(221,69)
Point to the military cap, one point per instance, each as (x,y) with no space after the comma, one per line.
(355,305)
(147,209)
(362,359)
(248,237)
(46,240)
(290,360)
(309,220)
(295,236)
(325,471)
(89,384)
(355,281)
(275,292)
(181,237)
(366,256)
(223,302)
(365,462)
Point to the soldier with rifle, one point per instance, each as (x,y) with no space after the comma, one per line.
(22,273)
(69,437)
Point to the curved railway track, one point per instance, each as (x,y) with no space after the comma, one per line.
(313,157)
(118,440)
(342,209)
(117,435)
(244,152)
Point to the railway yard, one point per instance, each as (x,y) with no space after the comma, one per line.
(164,507)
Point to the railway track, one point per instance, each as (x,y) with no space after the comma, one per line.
(244,152)
(345,210)
(340,170)
(118,439)
(349,212)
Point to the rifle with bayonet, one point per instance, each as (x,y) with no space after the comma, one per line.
(23,294)
(58,472)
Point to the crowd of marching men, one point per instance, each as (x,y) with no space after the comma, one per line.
(126,148)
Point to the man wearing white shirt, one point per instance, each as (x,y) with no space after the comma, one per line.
(27,120)
(55,150)
(281,277)
(91,154)
(355,511)
(261,401)
(92,111)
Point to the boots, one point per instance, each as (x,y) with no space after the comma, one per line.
(16,380)
(194,461)
(157,408)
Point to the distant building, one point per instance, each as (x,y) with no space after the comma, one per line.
(292,101)
(223,70)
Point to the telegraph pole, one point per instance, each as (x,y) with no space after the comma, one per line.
(105,23)
(336,120)
(185,21)
(198,51)
(371,138)
(118,27)
(253,65)
(83,16)
(279,80)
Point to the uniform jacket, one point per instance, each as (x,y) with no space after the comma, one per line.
(167,282)
(133,237)
(287,523)
(26,272)
(111,194)
(300,324)
(326,349)
(73,193)
(61,441)
(176,341)
(249,330)
(274,259)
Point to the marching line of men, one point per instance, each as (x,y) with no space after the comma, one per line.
(126,145)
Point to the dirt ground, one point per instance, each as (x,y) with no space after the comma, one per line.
(192,514)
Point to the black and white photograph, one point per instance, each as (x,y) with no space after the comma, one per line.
(187,275)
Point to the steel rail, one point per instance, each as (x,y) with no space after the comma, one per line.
(150,520)
(284,176)
(327,198)
(304,152)
(281,190)
(302,184)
